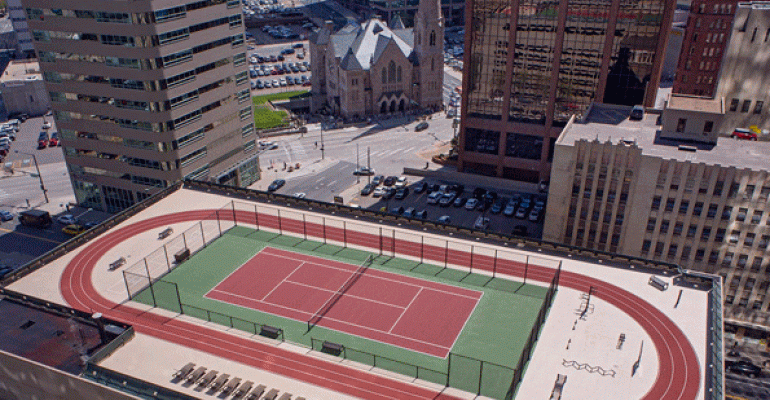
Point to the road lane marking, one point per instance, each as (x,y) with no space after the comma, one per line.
(24,234)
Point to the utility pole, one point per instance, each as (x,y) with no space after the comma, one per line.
(368,164)
(358,167)
(322,139)
(37,168)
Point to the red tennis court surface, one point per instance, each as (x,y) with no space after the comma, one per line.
(412,313)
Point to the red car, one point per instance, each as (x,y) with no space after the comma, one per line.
(54,140)
(745,134)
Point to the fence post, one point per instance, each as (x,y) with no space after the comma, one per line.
(380,240)
(481,373)
(203,237)
(125,280)
(219,224)
(470,264)
(280,226)
(168,263)
(394,243)
(235,220)
(184,239)
(422,247)
(494,265)
(256,216)
(448,368)
(323,223)
(149,280)
(446,254)
(178,298)
(344,235)
(304,226)
(526,268)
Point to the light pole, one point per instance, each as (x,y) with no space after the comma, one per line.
(322,139)
(42,186)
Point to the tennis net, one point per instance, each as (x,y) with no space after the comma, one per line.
(313,321)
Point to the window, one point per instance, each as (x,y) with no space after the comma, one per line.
(720,235)
(741,214)
(756,264)
(734,104)
(691,231)
(699,254)
(681,125)
(684,206)
(746,106)
(672,250)
(742,260)
(712,212)
(698,209)
(663,227)
(646,246)
(763,242)
(713,257)
(726,213)
(670,205)
(659,249)
(756,217)
(728,259)
(651,224)
(656,203)
(749,240)
(678,227)
(758,107)
(433,38)
(708,127)
(734,236)
(705,234)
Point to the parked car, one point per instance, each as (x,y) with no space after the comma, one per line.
(6,215)
(637,113)
(434,197)
(377,180)
(73,229)
(42,140)
(54,141)
(422,214)
(389,181)
(364,171)
(401,181)
(460,201)
(397,210)
(445,219)
(421,126)
(46,125)
(534,215)
(481,223)
(521,213)
(420,187)
(277,184)
(510,209)
(472,203)
(300,195)
(744,368)
(409,212)
(496,208)
(479,193)
(401,193)
(378,192)
(66,219)
(447,199)
(745,134)
(389,193)
(367,190)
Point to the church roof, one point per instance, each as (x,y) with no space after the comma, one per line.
(366,43)
(396,23)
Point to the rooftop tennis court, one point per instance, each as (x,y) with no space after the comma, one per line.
(397,314)
(415,314)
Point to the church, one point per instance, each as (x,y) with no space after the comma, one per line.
(378,68)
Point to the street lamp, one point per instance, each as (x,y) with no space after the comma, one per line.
(42,186)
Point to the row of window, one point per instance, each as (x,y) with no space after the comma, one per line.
(724,8)
(746,106)
(168,14)
(134,143)
(137,179)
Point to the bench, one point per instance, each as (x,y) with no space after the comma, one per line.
(285,396)
(254,395)
(165,233)
(181,255)
(196,375)
(271,395)
(270,331)
(219,382)
(243,389)
(207,378)
(117,263)
(558,386)
(184,371)
(231,385)
(332,348)
(658,283)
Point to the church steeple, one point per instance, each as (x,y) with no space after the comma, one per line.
(429,49)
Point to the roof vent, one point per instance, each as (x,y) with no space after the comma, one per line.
(377,29)
(692,149)
(27,324)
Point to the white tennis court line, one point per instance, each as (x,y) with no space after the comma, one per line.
(332,319)
(283,280)
(404,312)
(380,277)
(466,320)
(344,295)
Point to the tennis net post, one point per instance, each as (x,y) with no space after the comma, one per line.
(313,321)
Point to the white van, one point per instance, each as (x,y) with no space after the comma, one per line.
(14,123)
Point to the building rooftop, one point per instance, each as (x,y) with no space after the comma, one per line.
(21,70)
(577,332)
(611,123)
(694,103)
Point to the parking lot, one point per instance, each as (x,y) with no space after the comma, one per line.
(458,212)
(279,67)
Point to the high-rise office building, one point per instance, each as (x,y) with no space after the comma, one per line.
(672,191)
(706,36)
(146,93)
(531,64)
(19,22)
(744,83)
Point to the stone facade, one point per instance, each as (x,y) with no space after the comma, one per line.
(374,68)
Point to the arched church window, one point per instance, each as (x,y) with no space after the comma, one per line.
(432,38)
(399,74)
(384,76)
(392,72)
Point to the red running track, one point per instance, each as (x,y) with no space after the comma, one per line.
(678,375)
(411,313)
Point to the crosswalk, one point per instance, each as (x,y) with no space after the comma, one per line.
(3,194)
